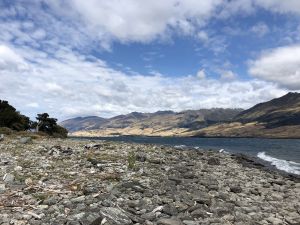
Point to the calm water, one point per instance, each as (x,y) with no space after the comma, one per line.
(282,153)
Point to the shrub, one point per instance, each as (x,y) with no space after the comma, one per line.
(131,159)
(6,130)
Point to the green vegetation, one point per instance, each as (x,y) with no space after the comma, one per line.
(131,159)
(48,125)
(12,120)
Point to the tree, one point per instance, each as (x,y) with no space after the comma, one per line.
(45,123)
(48,125)
(11,118)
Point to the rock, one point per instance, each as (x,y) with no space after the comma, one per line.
(170,210)
(141,156)
(2,188)
(199,213)
(28,181)
(78,199)
(213,161)
(275,221)
(115,216)
(1,137)
(236,189)
(9,178)
(25,140)
(165,221)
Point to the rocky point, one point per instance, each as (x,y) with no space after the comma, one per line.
(56,181)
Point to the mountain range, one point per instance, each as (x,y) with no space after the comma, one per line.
(278,118)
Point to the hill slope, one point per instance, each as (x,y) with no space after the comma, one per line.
(83,123)
(278,118)
(157,123)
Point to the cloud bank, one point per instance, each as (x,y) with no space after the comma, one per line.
(47,65)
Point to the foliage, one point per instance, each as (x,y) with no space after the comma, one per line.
(131,159)
(6,130)
(11,118)
(48,125)
(60,132)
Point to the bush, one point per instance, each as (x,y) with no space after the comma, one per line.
(6,130)
(131,159)
(11,118)
(60,132)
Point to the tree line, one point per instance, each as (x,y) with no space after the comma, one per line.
(11,118)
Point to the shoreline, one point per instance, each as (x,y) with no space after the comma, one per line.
(56,181)
(221,137)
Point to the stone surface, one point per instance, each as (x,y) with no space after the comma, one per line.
(25,140)
(115,216)
(55,181)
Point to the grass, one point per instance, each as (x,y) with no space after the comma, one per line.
(131,160)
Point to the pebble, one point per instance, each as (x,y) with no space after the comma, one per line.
(166,186)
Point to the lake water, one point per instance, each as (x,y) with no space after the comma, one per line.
(282,153)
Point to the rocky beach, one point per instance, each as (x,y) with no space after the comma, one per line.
(65,181)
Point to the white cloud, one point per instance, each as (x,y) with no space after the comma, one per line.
(203,36)
(280,6)
(65,83)
(10,60)
(280,65)
(71,85)
(228,75)
(260,29)
(135,20)
(201,74)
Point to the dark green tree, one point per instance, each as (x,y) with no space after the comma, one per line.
(45,123)
(11,118)
(49,125)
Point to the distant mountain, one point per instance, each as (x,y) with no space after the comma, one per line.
(162,120)
(277,112)
(82,123)
(278,118)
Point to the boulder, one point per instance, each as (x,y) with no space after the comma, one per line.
(9,178)
(25,140)
(115,216)
(213,161)
(1,137)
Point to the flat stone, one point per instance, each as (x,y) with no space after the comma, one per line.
(2,188)
(115,216)
(165,221)
(25,140)
(78,199)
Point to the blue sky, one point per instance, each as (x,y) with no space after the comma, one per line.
(80,58)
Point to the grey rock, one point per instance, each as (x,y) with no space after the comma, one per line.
(9,178)
(78,199)
(25,140)
(165,221)
(1,137)
(236,189)
(115,216)
(141,156)
(213,161)
(2,188)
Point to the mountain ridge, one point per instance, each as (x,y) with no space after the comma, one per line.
(277,118)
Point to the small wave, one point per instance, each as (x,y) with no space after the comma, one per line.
(281,164)
(223,151)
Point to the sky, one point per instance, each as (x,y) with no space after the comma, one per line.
(74,58)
